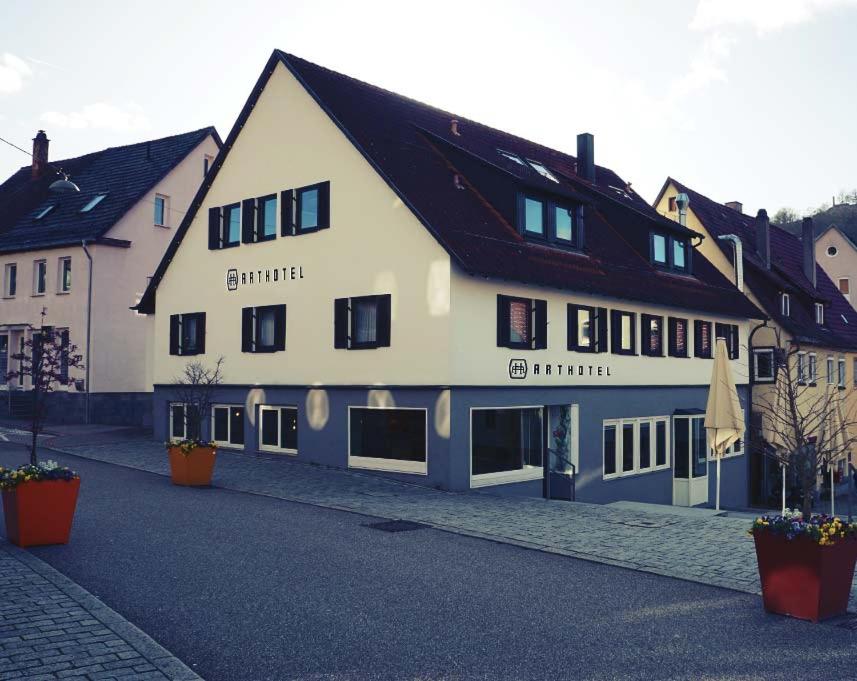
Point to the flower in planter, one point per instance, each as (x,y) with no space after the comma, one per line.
(822,529)
(187,446)
(50,470)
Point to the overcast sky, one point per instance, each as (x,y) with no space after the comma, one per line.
(749,100)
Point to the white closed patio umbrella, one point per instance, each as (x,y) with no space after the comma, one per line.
(724,418)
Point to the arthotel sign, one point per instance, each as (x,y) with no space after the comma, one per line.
(267,275)
(520,369)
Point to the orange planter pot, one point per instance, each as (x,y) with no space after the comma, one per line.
(39,513)
(194,469)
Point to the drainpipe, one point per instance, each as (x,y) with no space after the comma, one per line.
(737,258)
(751,382)
(88,323)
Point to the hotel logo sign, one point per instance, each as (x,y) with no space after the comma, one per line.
(269,275)
(518,368)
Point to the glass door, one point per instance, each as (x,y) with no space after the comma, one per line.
(562,451)
(690,461)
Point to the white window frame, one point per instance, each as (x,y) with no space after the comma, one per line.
(390,465)
(831,368)
(731,453)
(841,373)
(812,368)
(227,444)
(542,170)
(763,379)
(819,313)
(40,262)
(504,477)
(93,202)
(785,304)
(847,280)
(170,406)
(276,448)
(166,220)
(7,280)
(653,442)
(801,368)
(60,278)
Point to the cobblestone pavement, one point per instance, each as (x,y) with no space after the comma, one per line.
(50,628)
(709,550)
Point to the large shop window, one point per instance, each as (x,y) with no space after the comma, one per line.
(187,334)
(227,425)
(635,445)
(263,329)
(506,445)
(730,333)
(623,332)
(522,323)
(587,328)
(388,439)
(702,339)
(677,337)
(362,323)
(652,335)
(278,429)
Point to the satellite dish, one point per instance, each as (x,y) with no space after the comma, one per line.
(64,186)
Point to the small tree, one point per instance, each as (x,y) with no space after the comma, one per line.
(807,428)
(45,358)
(196,388)
(784,216)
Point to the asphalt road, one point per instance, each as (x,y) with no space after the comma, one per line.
(241,587)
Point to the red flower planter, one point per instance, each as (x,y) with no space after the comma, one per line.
(194,469)
(802,579)
(40,512)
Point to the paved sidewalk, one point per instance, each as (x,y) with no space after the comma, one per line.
(50,628)
(710,550)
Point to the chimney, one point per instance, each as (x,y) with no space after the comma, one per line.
(735,205)
(40,155)
(763,237)
(808,238)
(682,201)
(586,156)
(453,127)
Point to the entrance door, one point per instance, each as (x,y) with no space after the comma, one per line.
(690,461)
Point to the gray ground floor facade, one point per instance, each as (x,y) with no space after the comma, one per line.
(630,443)
(115,409)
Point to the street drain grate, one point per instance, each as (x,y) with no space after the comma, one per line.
(396,526)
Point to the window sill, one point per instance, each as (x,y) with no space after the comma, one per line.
(766,381)
(635,474)
(162,226)
(506,477)
(63,293)
(228,445)
(389,465)
(626,353)
(38,295)
(8,297)
(268,449)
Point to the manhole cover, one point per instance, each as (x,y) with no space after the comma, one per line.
(396,526)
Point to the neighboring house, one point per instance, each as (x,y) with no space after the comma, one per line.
(398,289)
(837,255)
(107,238)
(781,276)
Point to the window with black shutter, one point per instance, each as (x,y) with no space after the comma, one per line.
(587,328)
(677,337)
(362,322)
(187,334)
(248,221)
(231,226)
(702,339)
(263,329)
(522,323)
(623,332)
(652,335)
(730,333)
(312,208)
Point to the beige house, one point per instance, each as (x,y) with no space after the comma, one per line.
(84,257)
(837,255)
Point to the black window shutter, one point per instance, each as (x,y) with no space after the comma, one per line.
(697,338)
(502,321)
(287,223)
(540,324)
(384,312)
(646,334)
(280,327)
(215,240)
(340,323)
(571,323)
(733,328)
(324,205)
(248,221)
(672,348)
(615,330)
(247,315)
(174,334)
(200,333)
(601,329)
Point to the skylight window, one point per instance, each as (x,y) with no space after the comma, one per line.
(44,211)
(93,202)
(512,157)
(541,170)
(844,318)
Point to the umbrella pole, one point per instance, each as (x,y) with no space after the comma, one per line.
(784,488)
(717,496)
(832,493)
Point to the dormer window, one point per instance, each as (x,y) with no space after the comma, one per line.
(44,211)
(552,221)
(510,156)
(541,170)
(669,252)
(819,313)
(785,305)
(93,202)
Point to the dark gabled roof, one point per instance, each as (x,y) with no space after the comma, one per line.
(124,174)
(412,146)
(786,274)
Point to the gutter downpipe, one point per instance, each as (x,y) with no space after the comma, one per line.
(88,323)
(750,384)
